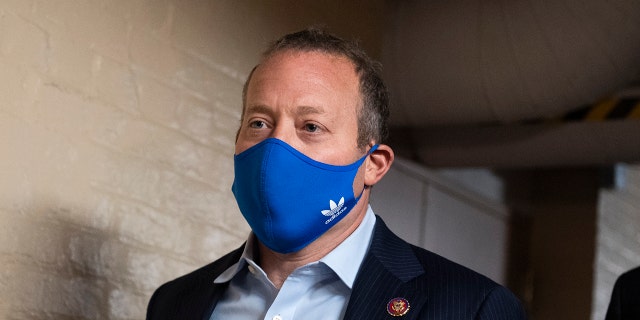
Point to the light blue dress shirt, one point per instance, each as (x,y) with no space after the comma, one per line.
(318,290)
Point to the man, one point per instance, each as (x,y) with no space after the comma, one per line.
(307,153)
(625,299)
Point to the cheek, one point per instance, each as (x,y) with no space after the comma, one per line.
(246,139)
(242,145)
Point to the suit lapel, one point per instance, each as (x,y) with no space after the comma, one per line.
(388,271)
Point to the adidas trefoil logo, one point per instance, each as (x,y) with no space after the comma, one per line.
(334,207)
(335,210)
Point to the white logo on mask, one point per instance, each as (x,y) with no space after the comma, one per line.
(335,210)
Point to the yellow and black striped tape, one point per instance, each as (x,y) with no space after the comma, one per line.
(608,109)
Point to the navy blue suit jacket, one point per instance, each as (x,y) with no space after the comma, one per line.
(435,287)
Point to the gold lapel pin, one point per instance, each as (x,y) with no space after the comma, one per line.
(398,307)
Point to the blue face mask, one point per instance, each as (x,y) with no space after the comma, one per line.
(289,199)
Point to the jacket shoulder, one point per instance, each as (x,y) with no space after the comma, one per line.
(440,269)
(448,281)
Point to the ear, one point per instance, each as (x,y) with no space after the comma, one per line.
(377,164)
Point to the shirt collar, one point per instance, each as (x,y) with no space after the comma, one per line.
(246,257)
(352,249)
(340,260)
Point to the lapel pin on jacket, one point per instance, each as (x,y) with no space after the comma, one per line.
(398,307)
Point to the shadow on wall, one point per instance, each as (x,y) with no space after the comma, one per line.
(54,268)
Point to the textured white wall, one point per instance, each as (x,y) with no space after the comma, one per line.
(117,125)
(116,132)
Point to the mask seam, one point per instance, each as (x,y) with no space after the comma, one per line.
(263,200)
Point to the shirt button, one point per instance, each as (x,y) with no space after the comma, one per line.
(253,271)
(278,317)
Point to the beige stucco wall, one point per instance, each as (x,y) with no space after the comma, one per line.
(117,124)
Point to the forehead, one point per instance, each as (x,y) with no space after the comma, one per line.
(310,72)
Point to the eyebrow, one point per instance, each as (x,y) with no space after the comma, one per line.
(258,109)
(299,111)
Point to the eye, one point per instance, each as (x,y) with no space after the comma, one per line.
(257,124)
(311,127)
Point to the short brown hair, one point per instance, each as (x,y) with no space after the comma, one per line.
(374,113)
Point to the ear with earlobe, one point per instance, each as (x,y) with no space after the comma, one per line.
(377,164)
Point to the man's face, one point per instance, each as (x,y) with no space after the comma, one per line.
(308,100)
